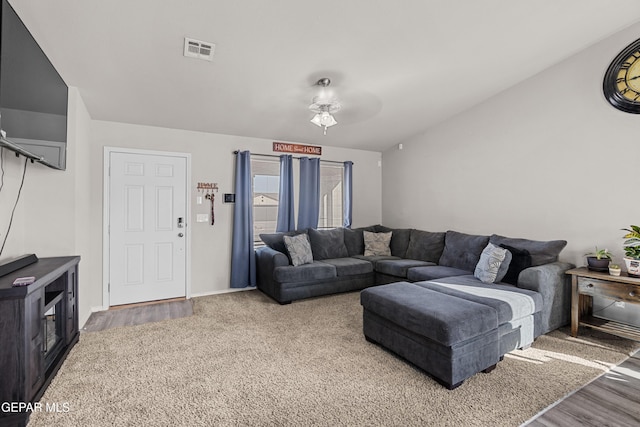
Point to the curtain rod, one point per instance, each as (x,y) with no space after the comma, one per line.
(295,157)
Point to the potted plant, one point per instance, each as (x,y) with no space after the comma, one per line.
(599,260)
(631,248)
(614,269)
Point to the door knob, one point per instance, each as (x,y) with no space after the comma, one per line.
(180,234)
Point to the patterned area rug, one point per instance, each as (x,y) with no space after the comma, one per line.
(242,359)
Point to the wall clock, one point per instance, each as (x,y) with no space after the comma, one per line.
(622,81)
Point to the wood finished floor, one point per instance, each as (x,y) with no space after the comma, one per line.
(610,400)
(138,315)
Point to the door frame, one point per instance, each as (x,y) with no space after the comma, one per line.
(106,204)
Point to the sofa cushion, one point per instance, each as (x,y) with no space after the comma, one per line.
(349,266)
(437,316)
(328,244)
(373,259)
(493,264)
(542,252)
(425,246)
(399,267)
(304,273)
(509,301)
(520,260)
(276,240)
(299,249)
(377,244)
(354,241)
(417,274)
(462,250)
(399,240)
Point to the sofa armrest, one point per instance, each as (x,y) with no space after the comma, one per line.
(267,259)
(270,257)
(552,283)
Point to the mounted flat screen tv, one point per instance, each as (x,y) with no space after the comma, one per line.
(33,96)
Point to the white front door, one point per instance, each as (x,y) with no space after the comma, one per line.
(147,220)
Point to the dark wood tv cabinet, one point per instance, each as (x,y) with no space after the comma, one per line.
(38,328)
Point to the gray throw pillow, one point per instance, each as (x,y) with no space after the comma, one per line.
(377,244)
(275,240)
(488,267)
(504,267)
(299,249)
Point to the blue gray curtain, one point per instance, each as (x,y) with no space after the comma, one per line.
(243,260)
(286,219)
(348,194)
(309,200)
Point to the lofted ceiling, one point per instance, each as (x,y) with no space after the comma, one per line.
(397,67)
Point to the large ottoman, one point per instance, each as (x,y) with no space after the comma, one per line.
(448,337)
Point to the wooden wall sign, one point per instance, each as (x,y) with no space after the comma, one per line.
(283,147)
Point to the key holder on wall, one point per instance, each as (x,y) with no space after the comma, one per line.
(208,187)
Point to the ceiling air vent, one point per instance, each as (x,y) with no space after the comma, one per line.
(198,49)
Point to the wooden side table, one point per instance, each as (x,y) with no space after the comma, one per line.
(585,284)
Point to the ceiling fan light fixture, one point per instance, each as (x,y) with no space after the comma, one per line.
(324,119)
(324,106)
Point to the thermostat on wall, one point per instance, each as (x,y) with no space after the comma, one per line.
(229,198)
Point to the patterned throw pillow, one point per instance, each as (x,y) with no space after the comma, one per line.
(377,244)
(299,249)
(491,259)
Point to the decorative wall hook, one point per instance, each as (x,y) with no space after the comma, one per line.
(208,186)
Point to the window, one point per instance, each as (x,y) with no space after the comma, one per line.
(331,190)
(266,182)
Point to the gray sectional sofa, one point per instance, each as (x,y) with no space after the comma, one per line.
(339,265)
(427,298)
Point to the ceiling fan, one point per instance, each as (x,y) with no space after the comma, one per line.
(324,105)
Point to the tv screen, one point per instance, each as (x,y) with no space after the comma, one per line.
(33,96)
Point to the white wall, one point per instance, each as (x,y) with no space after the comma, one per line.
(45,219)
(212,161)
(546,159)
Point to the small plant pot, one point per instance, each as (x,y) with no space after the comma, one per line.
(614,271)
(596,264)
(633,266)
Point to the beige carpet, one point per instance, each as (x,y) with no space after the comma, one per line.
(242,359)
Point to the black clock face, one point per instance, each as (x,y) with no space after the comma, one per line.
(622,81)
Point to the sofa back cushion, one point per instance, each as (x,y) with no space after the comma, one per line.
(425,246)
(542,252)
(399,239)
(354,240)
(328,244)
(462,250)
